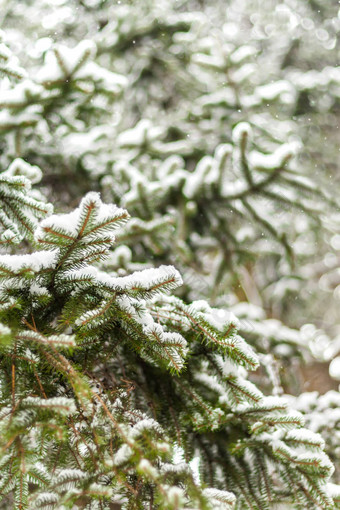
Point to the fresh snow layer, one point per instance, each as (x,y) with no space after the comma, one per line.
(71,223)
(35,261)
(146,279)
(274,160)
(241,130)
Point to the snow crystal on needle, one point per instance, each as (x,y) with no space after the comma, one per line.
(156,330)
(106,210)
(37,290)
(51,71)
(4,51)
(240,130)
(70,222)
(320,457)
(230,368)
(76,144)
(219,318)
(200,306)
(109,81)
(21,167)
(307,436)
(66,222)
(31,115)
(276,159)
(196,179)
(139,314)
(123,455)
(20,94)
(36,261)
(121,256)
(217,495)
(242,53)
(146,279)
(271,91)
(145,425)
(143,132)
(70,58)
(333,490)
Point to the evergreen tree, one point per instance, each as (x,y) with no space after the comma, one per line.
(208,125)
(95,366)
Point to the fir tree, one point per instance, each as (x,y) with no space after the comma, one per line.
(206,124)
(101,373)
